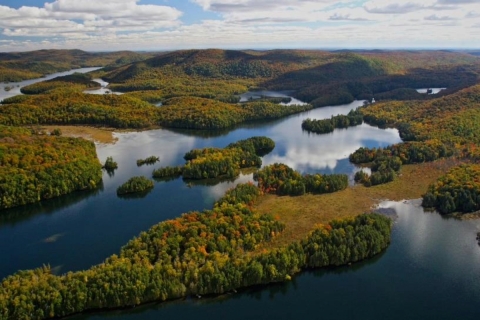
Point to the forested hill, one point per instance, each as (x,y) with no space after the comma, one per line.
(216,63)
(318,77)
(18,66)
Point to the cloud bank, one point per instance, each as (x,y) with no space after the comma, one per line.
(130,24)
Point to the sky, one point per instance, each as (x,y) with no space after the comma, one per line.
(157,25)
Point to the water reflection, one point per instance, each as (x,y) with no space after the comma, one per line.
(323,152)
(14,216)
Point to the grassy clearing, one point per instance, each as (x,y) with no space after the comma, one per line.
(301,214)
(100,135)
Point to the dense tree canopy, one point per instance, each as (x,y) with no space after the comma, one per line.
(135,185)
(457,191)
(282,180)
(35,167)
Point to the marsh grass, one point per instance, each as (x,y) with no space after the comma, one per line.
(301,214)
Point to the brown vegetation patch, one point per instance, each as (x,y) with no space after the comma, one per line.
(302,213)
(100,135)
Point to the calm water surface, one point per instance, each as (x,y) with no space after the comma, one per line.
(430,270)
(103,88)
(252,95)
(434,90)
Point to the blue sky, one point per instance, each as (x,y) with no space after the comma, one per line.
(103,25)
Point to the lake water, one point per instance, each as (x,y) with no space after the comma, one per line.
(103,88)
(252,95)
(434,90)
(430,270)
(16,86)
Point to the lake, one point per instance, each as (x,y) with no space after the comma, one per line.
(430,270)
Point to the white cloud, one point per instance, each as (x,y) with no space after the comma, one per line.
(396,6)
(457,2)
(121,24)
(435,17)
(229,6)
(64,17)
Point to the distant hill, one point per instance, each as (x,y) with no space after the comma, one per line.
(18,66)
(215,63)
(320,77)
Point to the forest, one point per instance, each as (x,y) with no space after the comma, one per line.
(199,89)
(385,163)
(457,191)
(149,161)
(36,167)
(68,105)
(209,252)
(280,179)
(201,113)
(318,77)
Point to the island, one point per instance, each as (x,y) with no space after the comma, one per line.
(135,185)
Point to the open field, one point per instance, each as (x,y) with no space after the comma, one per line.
(100,135)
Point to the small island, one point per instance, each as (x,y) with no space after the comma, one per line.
(149,160)
(353,118)
(110,165)
(135,185)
